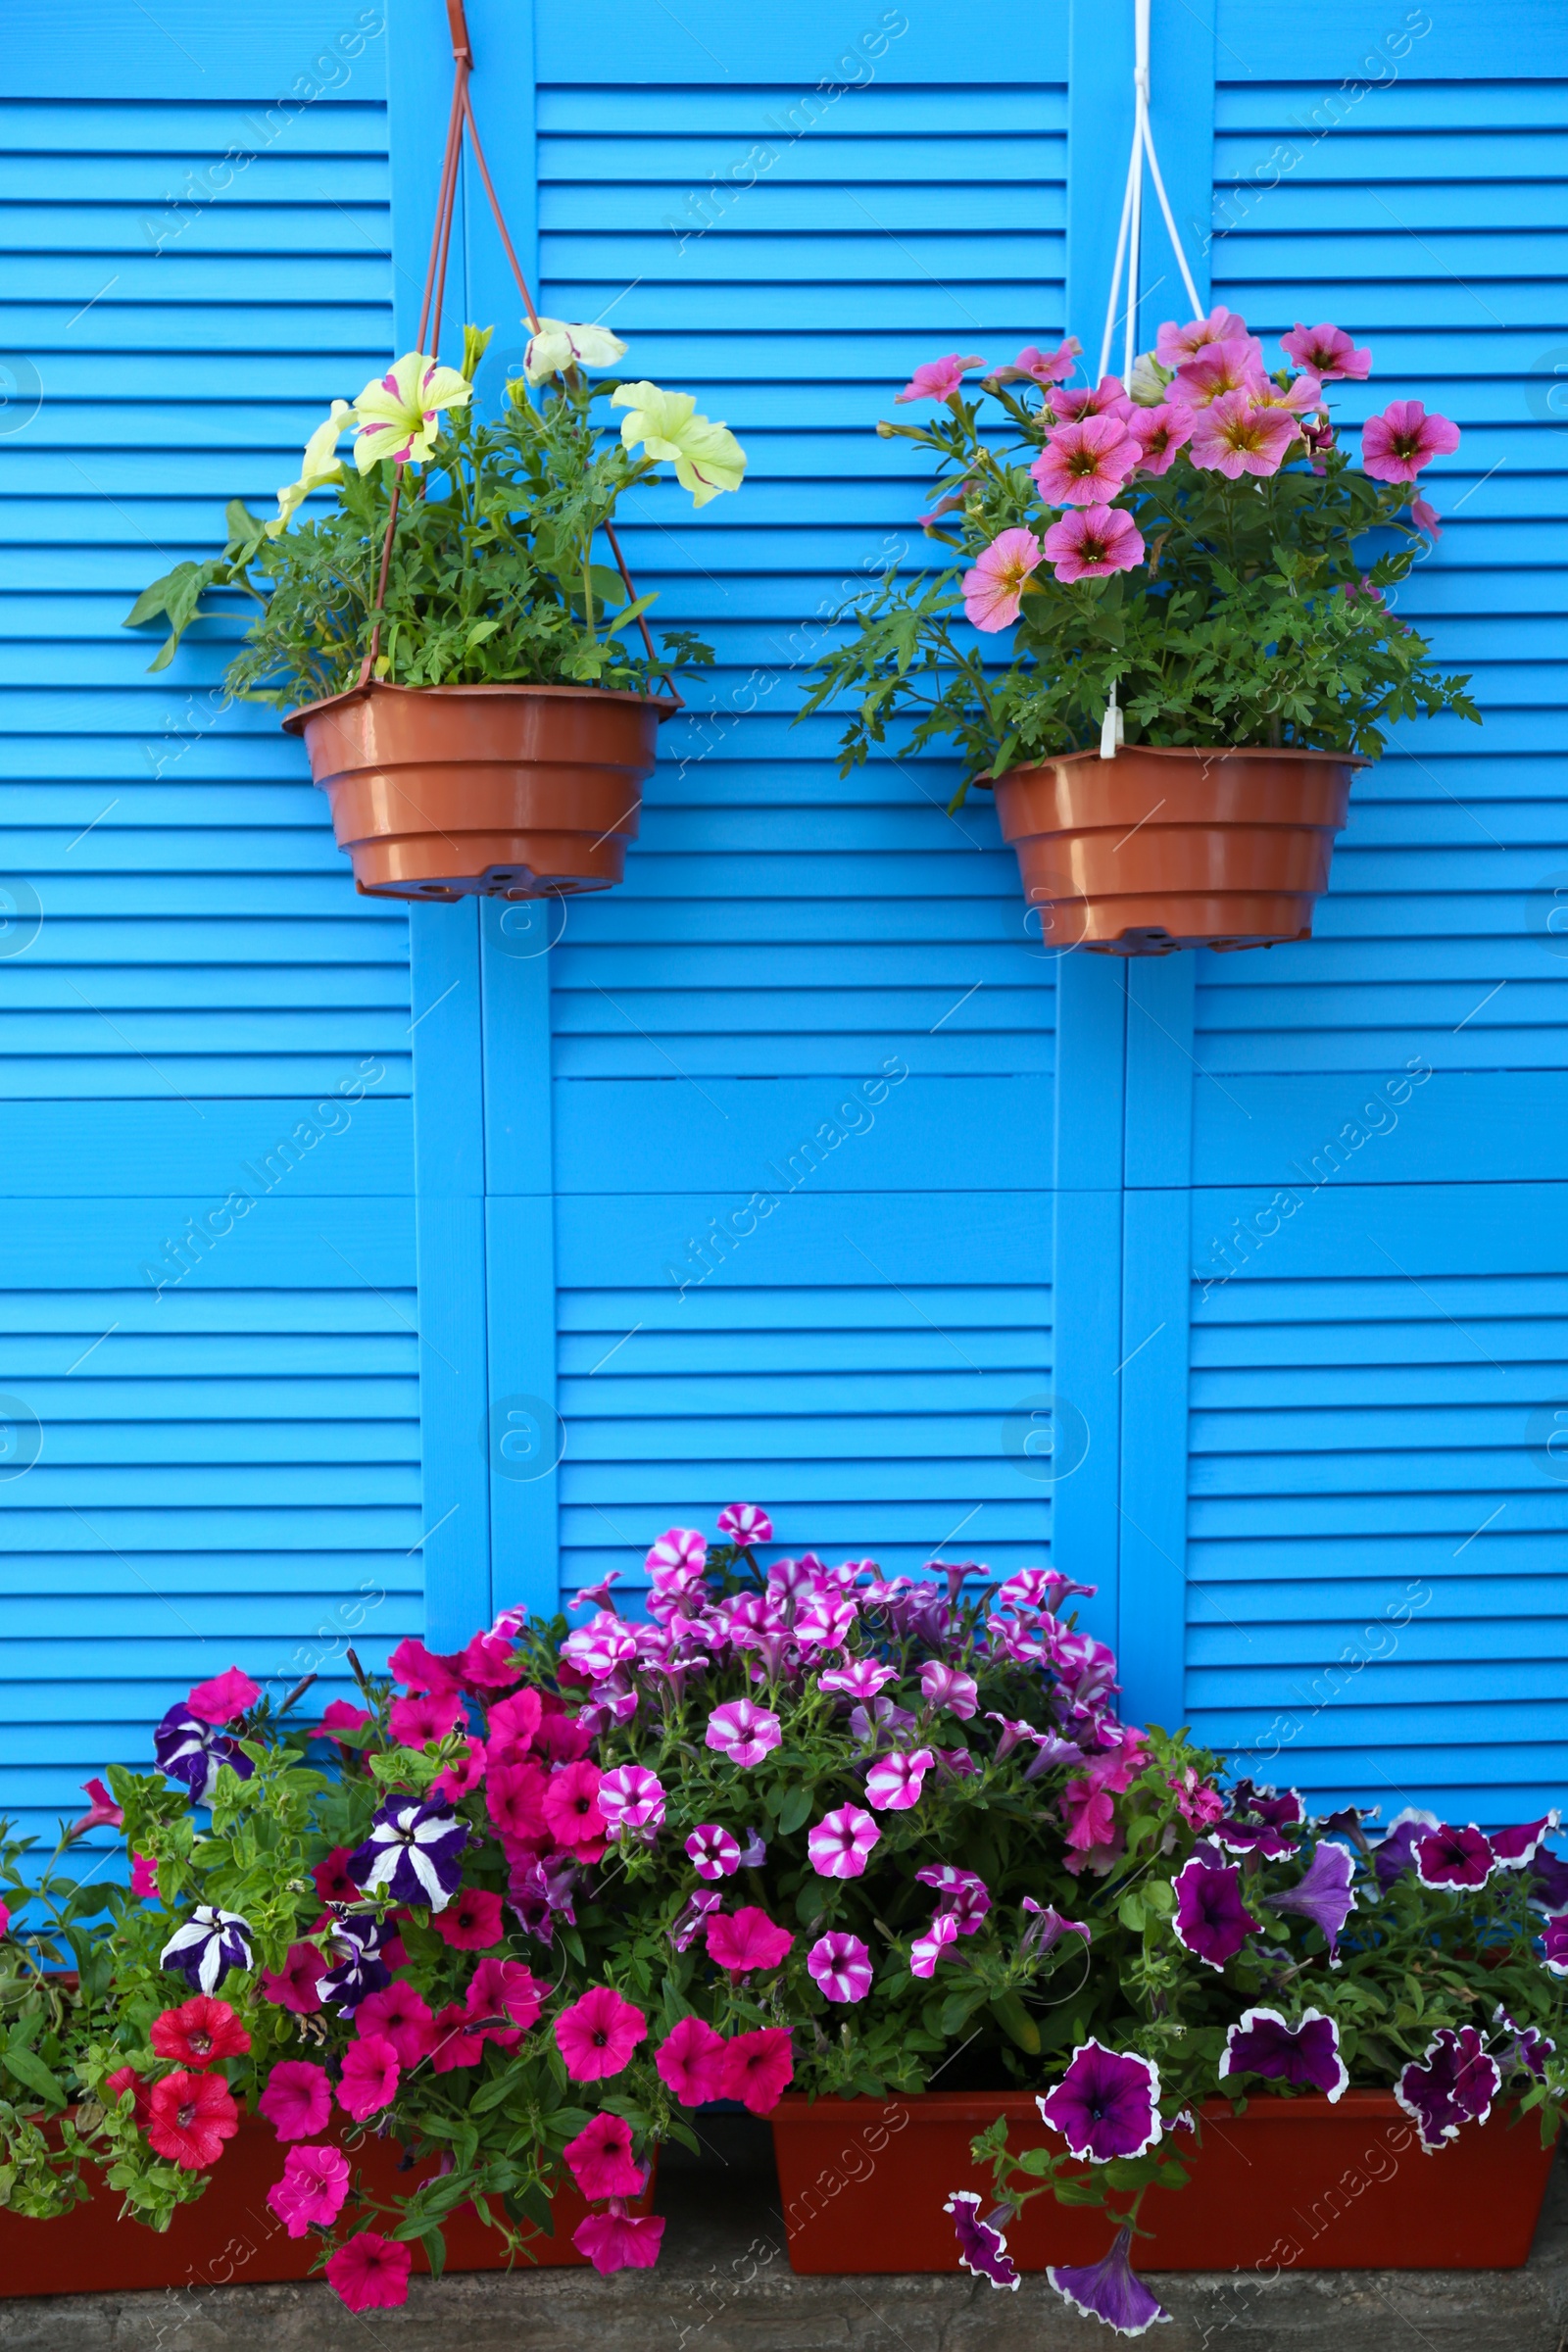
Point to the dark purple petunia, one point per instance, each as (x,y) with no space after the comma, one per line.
(1253,1837)
(1348,1822)
(1211,1920)
(1555,1946)
(1548,1881)
(190,1750)
(1394,1854)
(412,1853)
(354,1967)
(1515,1848)
(1305,2054)
(1455,2083)
(982,2244)
(1110,2290)
(1525,2050)
(1453,1857)
(1261,1804)
(207,1948)
(1322,1893)
(1105,2105)
(536,1893)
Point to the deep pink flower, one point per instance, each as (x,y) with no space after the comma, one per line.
(619,2240)
(189,2117)
(1084,463)
(993,590)
(962,1894)
(1176,345)
(1424,515)
(311,2193)
(464,1777)
(745,1524)
(631,1797)
(1212,1922)
(747,1940)
(399,2014)
(1453,1857)
(227,1695)
(599,1647)
(458,2039)
(490,1663)
(841,1842)
(947,1687)
(370,2272)
(293,1986)
(895,1780)
(102,1813)
(143,1879)
(1397,444)
(601,2160)
(419,1668)
(1235,436)
(1091,542)
(596,2035)
(471,1922)
(743,1731)
(928,1950)
(514,1799)
(428,1716)
(1220,370)
(691,2060)
(504,1989)
(341,1715)
(331,1879)
(1516,1848)
(516,1719)
(1090,1813)
(370,2076)
(864,1678)
(298,2098)
(757,2067)
(1159,433)
(714,1853)
(1107,2104)
(684,1548)
(938,379)
(572,1811)
(841,1966)
(1328,352)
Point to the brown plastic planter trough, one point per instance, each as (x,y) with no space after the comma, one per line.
(1159,850)
(513,792)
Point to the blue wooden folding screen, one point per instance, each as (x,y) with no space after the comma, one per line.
(796,1170)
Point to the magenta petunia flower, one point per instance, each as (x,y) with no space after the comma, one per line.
(1105,2105)
(1453,1857)
(1219,370)
(1109,2290)
(743,1731)
(947,1687)
(1084,463)
(601,2158)
(746,1523)
(691,2060)
(895,1780)
(1305,2054)
(689,1920)
(1328,352)
(369,2076)
(400,2016)
(928,1950)
(1554,1945)
(1396,445)
(757,2067)
(1092,542)
(842,1840)
(1175,345)
(747,1940)
(619,2240)
(1322,1893)
(504,1989)
(462,1778)
(1045,368)
(982,2242)
(1424,515)
(293,1986)
(714,1853)
(596,2035)
(1211,1920)
(938,379)
(298,2098)
(1107,398)
(1516,1848)
(598,1647)
(571,1810)
(631,1797)
(312,2191)
(370,2272)
(684,1548)
(428,1715)
(225,1696)
(471,1922)
(862,1680)
(1454,2082)
(144,1885)
(841,1966)
(962,1894)
(1235,436)
(1159,433)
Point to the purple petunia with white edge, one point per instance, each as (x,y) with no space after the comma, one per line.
(1211,1922)
(1453,1857)
(412,1853)
(982,2242)
(1107,2104)
(1110,2290)
(1454,2082)
(1554,1945)
(1306,2055)
(1516,1848)
(1525,2048)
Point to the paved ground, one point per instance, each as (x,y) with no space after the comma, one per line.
(725,2285)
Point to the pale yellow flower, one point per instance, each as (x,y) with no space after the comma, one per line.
(706,456)
(557,345)
(321,464)
(396,413)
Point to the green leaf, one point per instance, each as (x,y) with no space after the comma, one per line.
(30,2068)
(435,2247)
(1015,2020)
(797,1808)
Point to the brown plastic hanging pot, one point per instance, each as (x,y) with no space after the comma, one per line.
(1158,850)
(512,792)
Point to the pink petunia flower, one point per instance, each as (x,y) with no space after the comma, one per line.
(698,1907)
(370,2272)
(684,1548)
(340,1715)
(1091,542)
(714,1853)
(369,2076)
(471,1922)
(596,2035)
(893,1782)
(631,1797)
(1235,436)
(1328,352)
(747,1940)
(993,590)
(1084,463)
(841,1966)
(572,1811)
(1425,517)
(514,1721)
(464,1777)
(419,1668)
(743,1731)
(938,379)
(1108,398)
(928,1950)
(598,1647)
(842,1840)
(746,1523)
(399,2014)
(601,2158)
(312,2191)
(1177,343)
(1234,366)
(227,1695)
(293,1986)
(1397,444)
(691,2060)
(144,1881)
(1043,368)
(865,1678)
(504,1989)
(428,1716)
(619,2240)
(1159,433)
(298,2098)
(757,2067)
(947,1687)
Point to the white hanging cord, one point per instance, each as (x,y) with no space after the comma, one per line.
(1127,240)
(1115,270)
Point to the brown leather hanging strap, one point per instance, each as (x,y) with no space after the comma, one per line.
(460,116)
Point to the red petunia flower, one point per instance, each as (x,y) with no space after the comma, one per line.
(471,1922)
(189,2118)
(199,2032)
(332,1882)
(126,2078)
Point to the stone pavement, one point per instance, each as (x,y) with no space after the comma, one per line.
(724,2285)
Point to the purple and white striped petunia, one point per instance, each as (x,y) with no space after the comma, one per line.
(928,1950)
(962,1894)
(209,1944)
(690,1921)
(714,1853)
(1322,1895)
(630,1798)
(743,1731)
(895,1780)
(1211,1919)
(1554,1945)
(1047,1927)
(1514,1849)
(191,1749)
(1453,2084)
(862,1680)
(982,2243)
(1105,2105)
(746,1523)
(684,1548)
(1109,2290)
(598,1647)
(841,1842)
(1453,1857)
(841,1966)
(355,1968)
(412,1853)
(950,1687)
(1305,2054)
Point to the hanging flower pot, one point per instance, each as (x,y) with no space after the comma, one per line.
(1160,849)
(514,792)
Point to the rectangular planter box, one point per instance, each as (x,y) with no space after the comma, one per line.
(231,2237)
(1293,2183)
